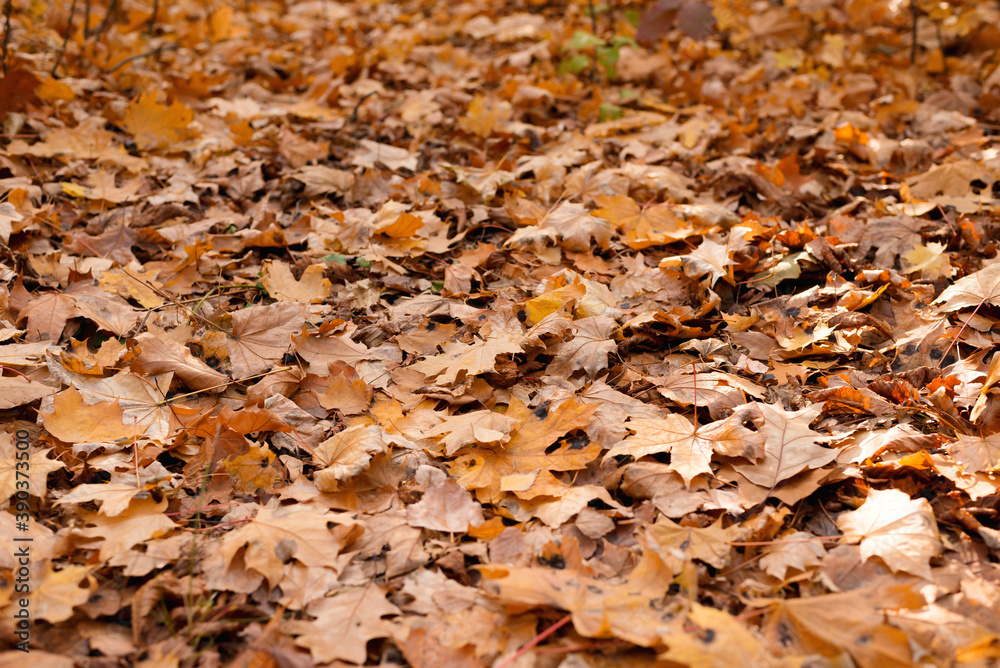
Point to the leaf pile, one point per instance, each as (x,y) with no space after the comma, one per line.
(374,333)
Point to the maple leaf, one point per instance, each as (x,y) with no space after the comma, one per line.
(529,448)
(160,355)
(47,316)
(899,530)
(344,623)
(254,470)
(143,520)
(350,396)
(797,550)
(275,536)
(347,453)
(980,287)
(8,216)
(17,391)
(372,152)
(588,349)
(679,543)
(445,507)
(321,180)
(114,498)
(930,260)
(141,400)
(484,116)
(74,421)
(102,187)
(576,227)
(59,592)
(977,453)
(790,446)
(261,336)
(601,609)
(851,621)
(35,470)
(154,125)
(690,454)
(643,226)
(279,282)
(698,642)
(461,359)
(482,427)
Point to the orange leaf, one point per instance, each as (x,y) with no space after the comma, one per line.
(73,421)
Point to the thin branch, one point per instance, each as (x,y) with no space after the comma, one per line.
(152,19)
(6,32)
(913,46)
(86,19)
(69,31)
(99,33)
(151,52)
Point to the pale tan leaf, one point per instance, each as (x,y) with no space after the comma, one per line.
(899,530)
(261,337)
(587,350)
(344,623)
(445,507)
(160,355)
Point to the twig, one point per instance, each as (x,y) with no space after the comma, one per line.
(593,17)
(99,33)
(534,641)
(151,52)
(152,19)
(69,29)
(86,19)
(913,46)
(6,32)
(354,114)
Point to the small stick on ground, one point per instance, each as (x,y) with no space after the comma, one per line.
(99,33)
(152,19)
(6,32)
(69,31)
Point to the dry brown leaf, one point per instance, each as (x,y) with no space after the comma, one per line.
(160,355)
(344,623)
(261,337)
(279,282)
(445,507)
(18,391)
(899,530)
(74,421)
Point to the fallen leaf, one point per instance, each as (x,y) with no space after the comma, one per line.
(344,624)
(74,421)
(261,337)
(445,507)
(899,530)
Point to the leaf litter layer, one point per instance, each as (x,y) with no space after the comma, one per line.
(481,334)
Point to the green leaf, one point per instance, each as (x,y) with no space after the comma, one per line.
(583,40)
(610,112)
(618,41)
(361,262)
(632,16)
(574,64)
(335,257)
(437,286)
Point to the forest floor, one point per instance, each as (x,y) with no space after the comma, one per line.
(499,334)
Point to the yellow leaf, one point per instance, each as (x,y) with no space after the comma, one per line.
(157,126)
(73,421)
(52,90)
